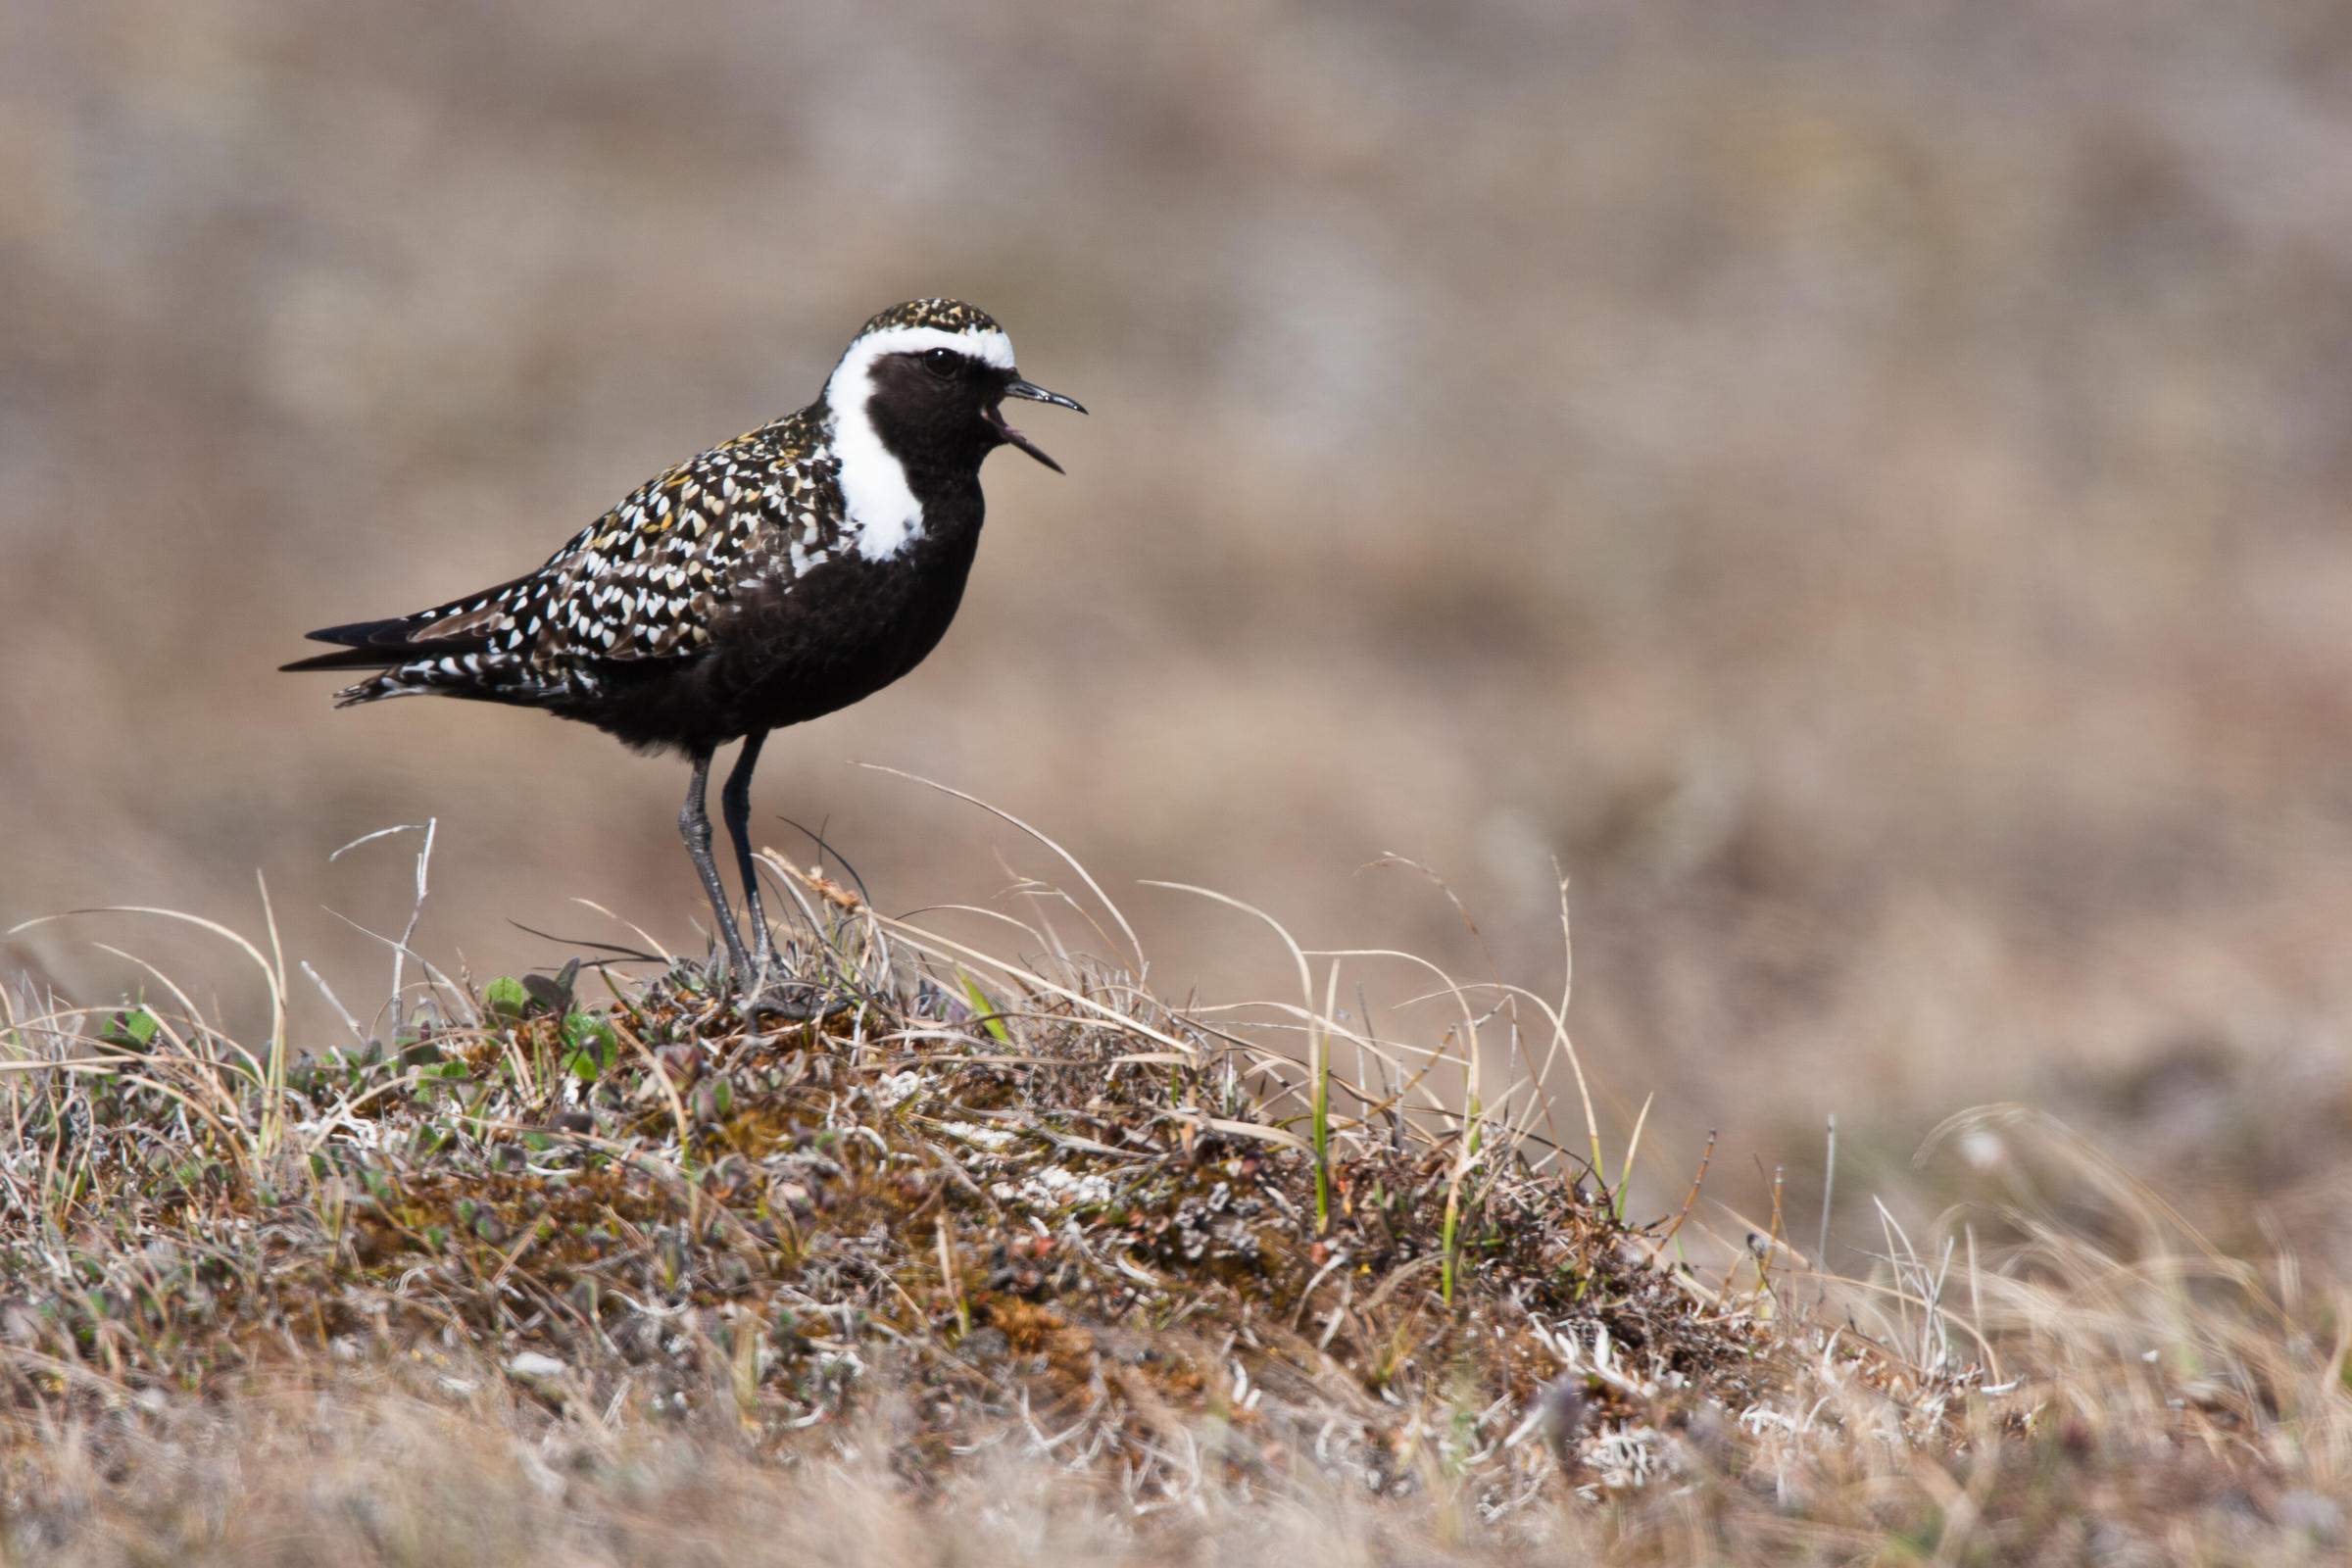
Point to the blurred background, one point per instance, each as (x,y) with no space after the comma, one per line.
(1866,492)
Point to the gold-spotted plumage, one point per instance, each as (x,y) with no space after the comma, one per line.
(647,580)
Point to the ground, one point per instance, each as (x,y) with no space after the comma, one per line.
(1009,1253)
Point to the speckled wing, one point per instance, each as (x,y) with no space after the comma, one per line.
(645,581)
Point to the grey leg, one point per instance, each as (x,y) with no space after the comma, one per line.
(735,804)
(694,825)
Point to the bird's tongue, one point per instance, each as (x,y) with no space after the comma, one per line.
(1012,437)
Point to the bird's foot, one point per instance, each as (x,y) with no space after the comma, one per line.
(794,1002)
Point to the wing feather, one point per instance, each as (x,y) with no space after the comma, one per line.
(647,580)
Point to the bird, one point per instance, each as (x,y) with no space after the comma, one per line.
(775,578)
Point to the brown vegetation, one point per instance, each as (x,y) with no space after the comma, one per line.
(1005,1243)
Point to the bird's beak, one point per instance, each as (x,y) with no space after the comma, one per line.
(995,415)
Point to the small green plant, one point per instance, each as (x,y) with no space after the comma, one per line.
(592,1047)
(506,1000)
(132,1029)
(984,1008)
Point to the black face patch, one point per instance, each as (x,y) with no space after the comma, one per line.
(931,406)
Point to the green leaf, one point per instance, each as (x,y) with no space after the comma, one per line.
(985,1007)
(505,998)
(130,1030)
(595,1047)
(554,994)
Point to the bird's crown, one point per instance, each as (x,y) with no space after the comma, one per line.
(944,315)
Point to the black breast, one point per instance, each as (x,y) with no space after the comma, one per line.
(835,635)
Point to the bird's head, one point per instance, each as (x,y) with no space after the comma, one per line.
(931,376)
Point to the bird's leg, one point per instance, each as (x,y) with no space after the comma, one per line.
(735,804)
(694,825)
(758,986)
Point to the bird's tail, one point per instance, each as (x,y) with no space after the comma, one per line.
(445,649)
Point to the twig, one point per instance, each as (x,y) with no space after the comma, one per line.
(1828,1187)
(1696,1182)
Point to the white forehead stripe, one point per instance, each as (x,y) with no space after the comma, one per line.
(884,517)
(853,375)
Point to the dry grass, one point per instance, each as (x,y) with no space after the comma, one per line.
(1005,1258)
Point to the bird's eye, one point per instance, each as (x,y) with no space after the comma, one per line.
(944,362)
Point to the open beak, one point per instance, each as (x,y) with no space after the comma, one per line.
(994,414)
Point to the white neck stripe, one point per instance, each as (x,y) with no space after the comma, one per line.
(884,516)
